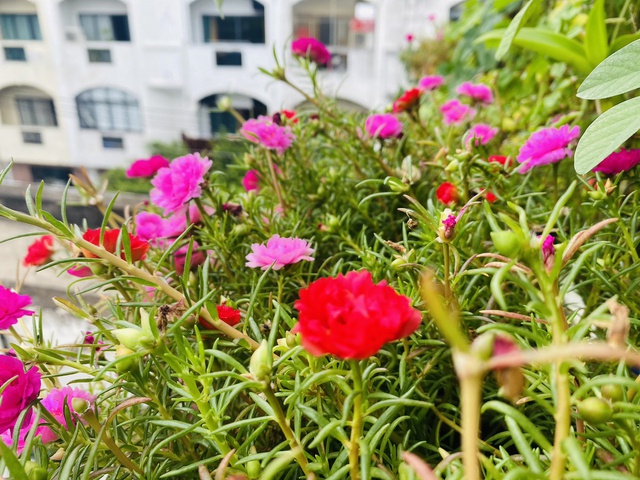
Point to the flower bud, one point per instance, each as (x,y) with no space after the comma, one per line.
(452,166)
(126,364)
(399,263)
(240,230)
(80,405)
(482,346)
(261,362)
(224,104)
(292,340)
(612,392)
(595,410)
(396,185)
(131,338)
(253,466)
(507,243)
(35,471)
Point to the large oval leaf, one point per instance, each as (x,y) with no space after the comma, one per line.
(619,73)
(606,134)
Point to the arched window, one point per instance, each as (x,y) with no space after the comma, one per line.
(109,109)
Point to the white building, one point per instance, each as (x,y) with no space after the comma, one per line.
(92,82)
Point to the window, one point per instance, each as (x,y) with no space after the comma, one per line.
(112,142)
(36,111)
(108,109)
(20,27)
(105,28)
(15,54)
(32,137)
(99,55)
(333,31)
(248,28)
(229,59)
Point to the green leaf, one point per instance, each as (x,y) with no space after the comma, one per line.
(596,44)
(13,464)
(512,30)
(617,74)
(545,42)
(606,134)
(623,41)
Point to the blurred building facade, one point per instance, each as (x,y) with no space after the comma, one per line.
(91,82)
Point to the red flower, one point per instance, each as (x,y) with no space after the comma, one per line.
(447,193)
(407,100)
(502,160)
(491,197)
(228,315)
(291,115)
(138,247)
(39,252)
(352,317)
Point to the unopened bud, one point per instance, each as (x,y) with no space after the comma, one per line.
(507,243)
(124,364)
(396,185)
(452,166)
(224,104)
(613,392)
(131,338)
(80,405)
(34,471)
(261,362)
(595,410)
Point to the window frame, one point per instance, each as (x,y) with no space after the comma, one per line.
(93,111)
(93,32)
(33,25)
(30,104)
(7,56)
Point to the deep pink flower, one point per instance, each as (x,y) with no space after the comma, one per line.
(479,92)
(279,252)
(548,250)
(80,271)
(549,145)
(251,181)
(456,112)
(54,402)
(149,226)
(19,393)
(430,82)
(314,49)
(180,182)
(409,37)
(147,167)
(480,134)
(266,132)
(198,257)
(618,162)
(383,125)
(12,307)
(177,223)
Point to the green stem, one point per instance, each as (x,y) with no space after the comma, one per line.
(274,179)
(447,270)
(356,424)
(471,397)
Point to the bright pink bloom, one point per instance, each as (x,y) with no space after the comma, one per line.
(80,271)
(180,182)
(383,125)
(266,132)
(251,181)
(409,37)
(480,134)
(548,250)
(149,226)
(279,252)
(198,257)
(314,49)
(456,112)
(147,168)
(176,224)
(54,402)
(549,145)
(19,393)
(619,162)
(479,92)
(12,308)
(430,82)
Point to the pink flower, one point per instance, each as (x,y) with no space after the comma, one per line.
(264,131)
(149,226)
(20,391)
(409,37)
(251,181)
(314,49)
(547,146)
(430,82)
(147,168)
(55,403)
(80,271)
(618,162)
(279,252)
(548,250)
(176,224)
(383,126)
(198,257)
(12,308)
(456,112)
(480,134)
(479,92)
(180,182)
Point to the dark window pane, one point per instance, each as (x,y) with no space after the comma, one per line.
(99,55)
(231,59)
(20,27)
(36,111)
(15,54)
(252,29)
(112,142)
(50,174)
(108,109)
(120,28)
(105,28)
(32,137)
(223,122)
(234,29)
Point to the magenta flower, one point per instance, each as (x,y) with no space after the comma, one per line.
(80,271)
(251,181)
(383,125)
(479,92)
(147,168)
(180,182)
(480,134)
(54,402)
(198,257)
(430,82)
(548,250)
(456,112)
(12,307)
(279,252)
(549,145)
(149,226)
(314,49)
(266,132)
(176,224)
(618,162)
(20,391)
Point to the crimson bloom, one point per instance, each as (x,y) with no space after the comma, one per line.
(39,252)
(619,162)
(447,193)
(145,168)
(228,315)
(352,317)
(251,181)
(12,307)
(20,391)
(407,100)
(549,145)
(314,49)
(501,159)
(110,242)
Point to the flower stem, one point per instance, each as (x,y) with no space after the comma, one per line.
(356,424)
(470,373)
(274,179)
(447,272)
